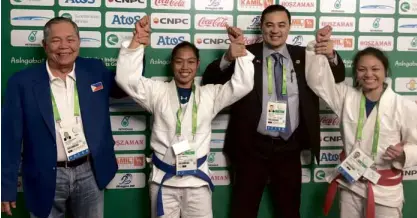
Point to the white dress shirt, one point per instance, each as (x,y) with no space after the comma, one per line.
(63,91)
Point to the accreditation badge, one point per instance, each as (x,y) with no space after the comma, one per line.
(355,165)
(74,141)
(276,116)
(186,163)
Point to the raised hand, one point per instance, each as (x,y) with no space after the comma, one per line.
(141,34)
(324,34)
(324,44)
(237,44)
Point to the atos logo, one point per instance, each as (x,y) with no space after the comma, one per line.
(329,157)
(116,19)
(124,20)
(167,40)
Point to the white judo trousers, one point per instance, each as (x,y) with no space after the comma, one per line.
(354,206)
(193,202)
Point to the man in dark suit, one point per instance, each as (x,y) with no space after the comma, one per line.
(59,112)
(258,151)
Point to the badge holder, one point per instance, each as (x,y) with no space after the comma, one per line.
(276,116)
(75,144)
(186,163)
(186,160)
(355,165)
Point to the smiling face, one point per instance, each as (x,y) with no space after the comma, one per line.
(275,29)
(184,65)
(370,73)
(62,45)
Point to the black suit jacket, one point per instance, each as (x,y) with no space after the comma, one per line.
(245,114)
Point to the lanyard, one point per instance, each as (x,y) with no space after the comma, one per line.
(361,124)
(284,77)
(194,118)
(57,117)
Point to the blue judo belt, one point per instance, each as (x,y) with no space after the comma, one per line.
(170,171)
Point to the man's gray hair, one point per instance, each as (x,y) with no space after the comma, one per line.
(56,20)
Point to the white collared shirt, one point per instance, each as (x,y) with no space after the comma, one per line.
(63,91)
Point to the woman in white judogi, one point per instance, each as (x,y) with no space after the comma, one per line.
(181,130)
(388,133)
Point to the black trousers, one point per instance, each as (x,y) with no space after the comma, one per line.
(276,161)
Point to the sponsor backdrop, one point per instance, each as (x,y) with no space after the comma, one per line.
(387,24)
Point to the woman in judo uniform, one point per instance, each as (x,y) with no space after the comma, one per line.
(180,182)
(379,130)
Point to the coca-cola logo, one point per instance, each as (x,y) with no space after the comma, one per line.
(252,40)
(212,22)
(173,3)
(329,120)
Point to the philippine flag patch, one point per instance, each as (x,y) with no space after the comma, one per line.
(97,86)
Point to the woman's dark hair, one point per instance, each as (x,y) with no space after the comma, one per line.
(373,52)
(185,44)
(275,8)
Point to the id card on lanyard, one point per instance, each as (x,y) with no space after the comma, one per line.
(72,135)
(358,164)
(186,159)
(276,116)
